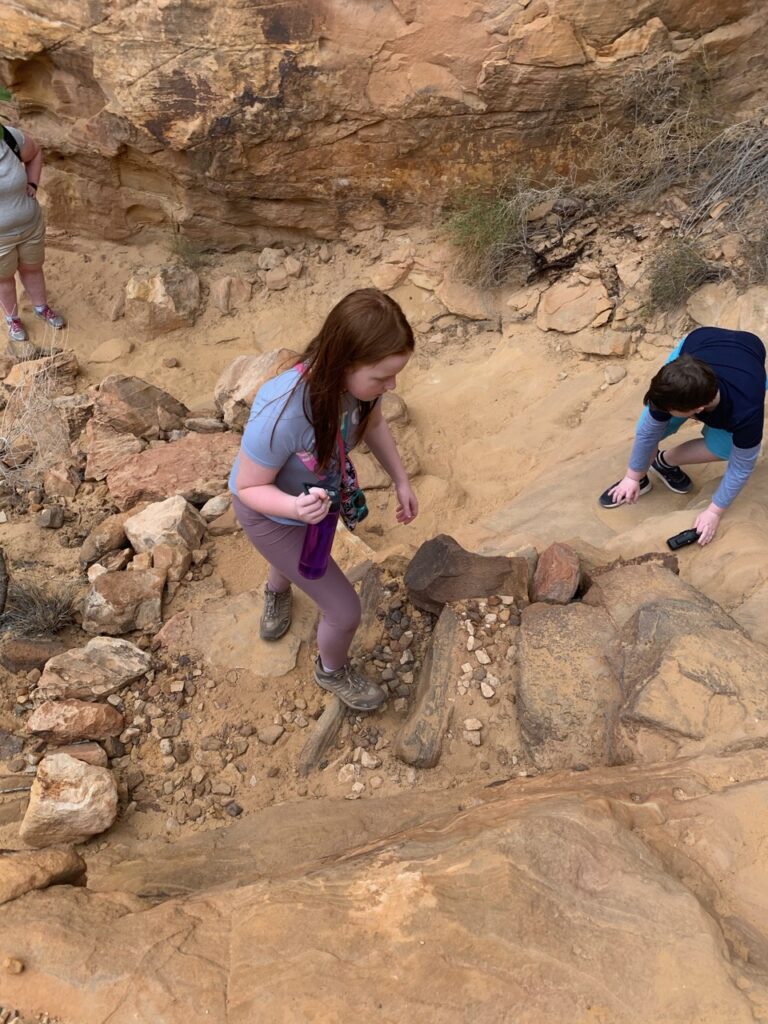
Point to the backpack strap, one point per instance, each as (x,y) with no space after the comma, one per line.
(11,142)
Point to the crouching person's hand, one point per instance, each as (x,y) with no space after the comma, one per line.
(707,523)
(626,491)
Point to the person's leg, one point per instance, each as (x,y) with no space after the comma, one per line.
(8,300)
(690,453)
(33,279)
(333,593)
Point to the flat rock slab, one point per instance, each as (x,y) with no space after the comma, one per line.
(442,571)
(568,692)
(196,467)
(66,721)
(104,666)
(690,686)
(225,633)
(578,911)
(420,739)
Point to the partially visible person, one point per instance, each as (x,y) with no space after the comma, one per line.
(22,236)
(718,377)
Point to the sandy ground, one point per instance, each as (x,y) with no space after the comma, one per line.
(516,436)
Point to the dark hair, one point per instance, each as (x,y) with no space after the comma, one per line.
(365,327)
(685,383)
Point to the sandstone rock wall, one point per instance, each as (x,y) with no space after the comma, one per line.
(234,124)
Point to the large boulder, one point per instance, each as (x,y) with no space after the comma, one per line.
(237,386)
(442,571)
(69,802)
(104,666)
(121,602)
(197,467)
(158,300)
(173,521)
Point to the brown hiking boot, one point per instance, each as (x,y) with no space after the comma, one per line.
(351,687)
(276,617)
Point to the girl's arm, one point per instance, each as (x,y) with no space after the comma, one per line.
(32,158)
(379,439)
(257,490)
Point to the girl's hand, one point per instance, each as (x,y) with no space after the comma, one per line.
(313,507)
(407,503)
(706,523)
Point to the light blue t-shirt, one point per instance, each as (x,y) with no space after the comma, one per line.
(278,428)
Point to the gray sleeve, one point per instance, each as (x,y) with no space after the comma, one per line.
(18,134)
(740,465)
(647,436)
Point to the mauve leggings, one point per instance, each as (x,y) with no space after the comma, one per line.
(332,593)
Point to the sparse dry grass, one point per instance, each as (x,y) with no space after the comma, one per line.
(35,609)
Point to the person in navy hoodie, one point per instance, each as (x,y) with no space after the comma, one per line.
(715,376)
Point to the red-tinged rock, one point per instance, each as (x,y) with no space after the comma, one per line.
(197,467)
(65,721)
(121,602)
(557,575)
(107,449)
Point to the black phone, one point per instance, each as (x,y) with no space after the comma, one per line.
(681,540)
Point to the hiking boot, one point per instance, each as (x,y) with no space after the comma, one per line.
(16,329)
(352,688)
(674,477)
(606,501)
(276,617)
(54,320)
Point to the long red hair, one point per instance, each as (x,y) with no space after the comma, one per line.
(365,327)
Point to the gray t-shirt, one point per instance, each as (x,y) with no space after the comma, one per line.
(17,210)
(278,429)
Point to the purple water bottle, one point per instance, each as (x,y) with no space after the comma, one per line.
(318,539)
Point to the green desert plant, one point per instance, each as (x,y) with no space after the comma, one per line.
(492,229)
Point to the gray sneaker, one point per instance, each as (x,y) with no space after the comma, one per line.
(351,687)
(16,329)
(276,617)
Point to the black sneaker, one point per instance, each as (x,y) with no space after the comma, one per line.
(674,477)
(351,687)
(606,501)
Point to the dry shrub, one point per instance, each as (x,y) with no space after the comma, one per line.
(734,169)
(676,271)
(36,609)
(33,436)
(667,117)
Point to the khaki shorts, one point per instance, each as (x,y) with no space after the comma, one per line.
(27,247)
